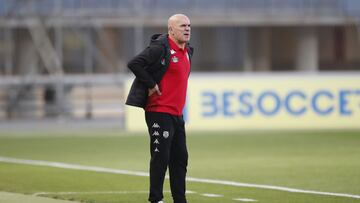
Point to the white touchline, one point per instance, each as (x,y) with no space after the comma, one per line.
(271,187)
(211,195)
(190,179)
(245,200)
(93,192)
(103,192)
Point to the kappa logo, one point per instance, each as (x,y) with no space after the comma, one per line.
(155,125)
(166,134)
(157,150)
(155,133)
(172,51)
(156,141)
(162,62)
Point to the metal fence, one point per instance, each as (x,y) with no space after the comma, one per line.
(99,96)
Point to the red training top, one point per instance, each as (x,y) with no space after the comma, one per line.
(173,84)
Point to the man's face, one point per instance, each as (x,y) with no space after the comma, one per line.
(181,29)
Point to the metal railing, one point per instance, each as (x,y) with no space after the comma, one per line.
(87,97)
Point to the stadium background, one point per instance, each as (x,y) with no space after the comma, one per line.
(67,59)
(277,81)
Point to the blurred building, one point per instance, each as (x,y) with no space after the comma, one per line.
(48,47)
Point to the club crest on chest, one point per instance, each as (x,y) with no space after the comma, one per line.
(175,59)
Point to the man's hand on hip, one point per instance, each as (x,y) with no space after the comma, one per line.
(154,89)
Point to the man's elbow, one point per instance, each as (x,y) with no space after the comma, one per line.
(135,65)
(130,65)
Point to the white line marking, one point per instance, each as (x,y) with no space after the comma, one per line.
(245,200)
(71,166)
(270,187)
(211,195)
(93,192)
(103,192)
(190,179)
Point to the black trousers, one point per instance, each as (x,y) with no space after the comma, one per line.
(167,149)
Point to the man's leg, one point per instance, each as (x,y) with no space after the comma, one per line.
(178,162)
(161,130)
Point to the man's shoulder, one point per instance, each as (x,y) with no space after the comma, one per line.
(159,44)
(157,50)
(190,49)
(159,38)
(156,47)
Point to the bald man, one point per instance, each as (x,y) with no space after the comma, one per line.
(162,71)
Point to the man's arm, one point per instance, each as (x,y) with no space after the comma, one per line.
(145,59)
(153,90)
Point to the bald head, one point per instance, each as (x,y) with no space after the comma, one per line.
(176,18)
(179,29)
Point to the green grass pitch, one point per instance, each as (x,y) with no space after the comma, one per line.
(317,161)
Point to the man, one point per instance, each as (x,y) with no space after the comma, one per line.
(162,72)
